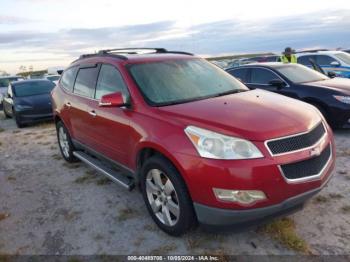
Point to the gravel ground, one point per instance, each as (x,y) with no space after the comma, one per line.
(50,207)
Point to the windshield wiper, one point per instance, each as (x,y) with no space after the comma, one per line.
(230,92)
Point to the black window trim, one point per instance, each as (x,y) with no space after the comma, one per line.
(255,67)
(125,83)
(85,66)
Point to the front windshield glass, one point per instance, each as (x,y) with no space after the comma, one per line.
(180,81)
(33,88)
(300,74)
(345,57)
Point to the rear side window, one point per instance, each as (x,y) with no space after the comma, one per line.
(262,76)
(109,81)
(324,60)
(68,77)
(240,73)
(86,82)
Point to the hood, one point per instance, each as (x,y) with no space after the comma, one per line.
(337,84)
(255,115)
(36,101)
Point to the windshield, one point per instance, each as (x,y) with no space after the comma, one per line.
(53,78)
(344,57)
(300,74)
(179,81)
(33,88)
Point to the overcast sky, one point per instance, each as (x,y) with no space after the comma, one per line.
(46,33)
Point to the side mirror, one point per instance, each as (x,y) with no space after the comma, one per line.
(331,74)
(277,83)
(335,63)
(113,100)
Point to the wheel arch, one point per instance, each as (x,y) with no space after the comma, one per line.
(148,149)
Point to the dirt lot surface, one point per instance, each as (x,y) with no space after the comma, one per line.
(50,207)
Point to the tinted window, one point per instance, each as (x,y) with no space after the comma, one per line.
(86,82)
(324,60)
(271,59)
(68,77)
(109,81)
(32,88)
(240,73)
(305,60)
(262,76)
(181,81)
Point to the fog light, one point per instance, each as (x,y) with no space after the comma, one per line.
(240,196)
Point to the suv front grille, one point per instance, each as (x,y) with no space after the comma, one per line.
(307,168)
(297,142)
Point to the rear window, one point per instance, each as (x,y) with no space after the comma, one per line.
(68,77)
(86,82)
(32,88)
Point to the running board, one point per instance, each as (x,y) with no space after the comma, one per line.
(113,175)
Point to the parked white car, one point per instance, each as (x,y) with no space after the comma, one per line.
(330,61)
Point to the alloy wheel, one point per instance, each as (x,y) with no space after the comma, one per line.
(63,140)
(162,197)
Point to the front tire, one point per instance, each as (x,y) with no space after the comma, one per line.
(65,143)
(18,121)
(166,196)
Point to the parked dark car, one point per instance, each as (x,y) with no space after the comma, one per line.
(28,101)
(330,96)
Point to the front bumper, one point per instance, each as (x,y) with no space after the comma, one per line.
(25,117)
(218,218)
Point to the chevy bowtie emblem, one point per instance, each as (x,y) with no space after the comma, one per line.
(315,151)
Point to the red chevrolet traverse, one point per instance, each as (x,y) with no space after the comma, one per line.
(202,147)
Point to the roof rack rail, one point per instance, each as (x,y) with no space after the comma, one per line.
(136,50)
(121,52)
(311,51)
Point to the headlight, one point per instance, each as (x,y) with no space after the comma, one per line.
(23,107)
(217,146)
(343,99)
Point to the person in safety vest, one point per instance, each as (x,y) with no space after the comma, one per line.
(288,56)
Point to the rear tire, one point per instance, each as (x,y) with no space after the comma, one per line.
(166,196)
(65,143)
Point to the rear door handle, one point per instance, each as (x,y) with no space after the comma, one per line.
(92,113)
(68,104)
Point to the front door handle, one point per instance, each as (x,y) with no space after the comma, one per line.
(92,113)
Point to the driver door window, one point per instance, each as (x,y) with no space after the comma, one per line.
(260,76)
(109,81)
